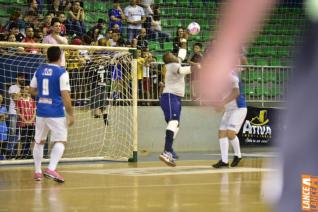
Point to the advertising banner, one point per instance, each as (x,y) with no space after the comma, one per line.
(260,126)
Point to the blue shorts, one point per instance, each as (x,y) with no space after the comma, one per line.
(116,73)
(171,106)
(3,136)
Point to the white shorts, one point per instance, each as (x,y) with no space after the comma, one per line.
(57,126)
(233,119)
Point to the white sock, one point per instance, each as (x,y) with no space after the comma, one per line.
(224,146)
(175,133)
(236,146)
(56,155)
(37,157)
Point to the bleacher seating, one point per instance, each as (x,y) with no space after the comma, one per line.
(272,47)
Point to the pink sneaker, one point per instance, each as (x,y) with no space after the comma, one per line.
(53,175)
(38,176)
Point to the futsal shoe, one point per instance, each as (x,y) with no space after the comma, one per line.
(53,175)
(220,164)
(174,155)
(38,176)
(236,161)
(167,158)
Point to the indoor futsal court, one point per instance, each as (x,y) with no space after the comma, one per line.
(149,185)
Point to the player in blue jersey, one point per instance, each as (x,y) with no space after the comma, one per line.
(234,106)
(50,84)
(170,100)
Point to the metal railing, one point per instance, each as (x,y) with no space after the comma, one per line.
(262,84)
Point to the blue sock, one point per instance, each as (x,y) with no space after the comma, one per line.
(169,141)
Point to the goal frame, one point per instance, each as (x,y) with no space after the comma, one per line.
(132,51)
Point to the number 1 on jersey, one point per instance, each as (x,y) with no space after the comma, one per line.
(45,87)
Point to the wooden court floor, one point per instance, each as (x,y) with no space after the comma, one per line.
(144,186)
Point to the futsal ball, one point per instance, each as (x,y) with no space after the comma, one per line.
(193,28)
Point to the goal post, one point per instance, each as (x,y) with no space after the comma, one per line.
(104,93)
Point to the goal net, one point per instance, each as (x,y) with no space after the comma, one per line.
(104,94)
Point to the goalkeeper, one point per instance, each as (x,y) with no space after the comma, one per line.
(170,101)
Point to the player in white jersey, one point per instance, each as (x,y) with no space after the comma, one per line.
(170,101)
(50,84)
(234,106)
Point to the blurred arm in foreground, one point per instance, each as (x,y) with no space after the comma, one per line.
(240,20)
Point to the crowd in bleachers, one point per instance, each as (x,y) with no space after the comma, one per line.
(135,25)
(138,25)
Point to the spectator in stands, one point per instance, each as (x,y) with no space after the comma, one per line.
(56,38)
(29,38)
(47,24)
(96,32)
(146,75)
(14,92)
(14,29)
(61,17)
(39,35)
(75,22)
(55,8)
(26,121)
(103,42)
(34,7)
(180,40)
(155,31)
(194,61)
(116,15)
(11,38)
(66,5)
(142,42)
(75,62)
(117,40)
(135,18)
(29,18)
(95,35)
(3,129)
(146,5)
(133,43)
(140,65)
(109,34)
(16,18)
(2,28)
(101,24)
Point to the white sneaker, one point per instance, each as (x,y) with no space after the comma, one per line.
(167,158)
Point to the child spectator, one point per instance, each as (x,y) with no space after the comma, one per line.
(3,129)
(140,64)
(146,75)
(74,63)
(26,121)
(11,38)
(14,29)
(194,61)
